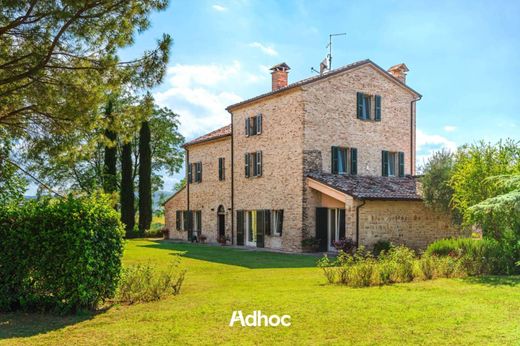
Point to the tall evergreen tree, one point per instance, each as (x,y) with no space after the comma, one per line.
(110,157)
(127,189)
(145,177)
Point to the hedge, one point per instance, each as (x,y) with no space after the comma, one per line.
(59,254)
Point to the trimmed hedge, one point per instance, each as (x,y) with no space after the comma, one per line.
(59,254)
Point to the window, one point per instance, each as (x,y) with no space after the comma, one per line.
(392,163)
(253,125)
(253,164)
(221,169)
(195,172)
(276,222)
(368,107)
(197,220)
(178,220)
(344,160)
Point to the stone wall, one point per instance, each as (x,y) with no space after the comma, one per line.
(210,193)
(176,202)
(403,222)
(281,183)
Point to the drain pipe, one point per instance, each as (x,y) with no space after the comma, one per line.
(357,222)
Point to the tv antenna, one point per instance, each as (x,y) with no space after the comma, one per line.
(326,64)
(329,46)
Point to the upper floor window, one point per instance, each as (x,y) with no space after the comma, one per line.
(393,163)
(253,164)
(344,160)
(368,107)
(254,125)
(195,172)
(221,169)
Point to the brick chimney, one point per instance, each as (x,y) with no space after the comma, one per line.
(399,72)
(279,75)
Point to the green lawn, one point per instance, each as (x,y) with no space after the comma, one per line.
(220,280)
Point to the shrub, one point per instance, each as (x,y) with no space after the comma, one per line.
(401,260)
(59,254)
(346,245)
(142,283)
(380,246)
(329,268)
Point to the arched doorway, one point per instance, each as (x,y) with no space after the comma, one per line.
(221,221)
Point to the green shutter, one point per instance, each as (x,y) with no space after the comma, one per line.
(260,228)
(267,214)
(334,160)
(254,163)
(353,161)
(341,224)
(280,221)
(401,164)
(247,165)
(378,108)
(190,173)
(259,124)
(322,227)
(240,227)
(259,163)
(384,163)
(199,169)
(178,220)
(359,105)
(185,220)
(248,127)
(368,107)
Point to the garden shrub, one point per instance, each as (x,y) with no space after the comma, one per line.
(142,283)
(380,246)
(59,254)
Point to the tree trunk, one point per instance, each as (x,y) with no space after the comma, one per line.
(110,164)
(127,190)
(145,178)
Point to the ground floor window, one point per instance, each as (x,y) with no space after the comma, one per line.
(254,225)
(276,222)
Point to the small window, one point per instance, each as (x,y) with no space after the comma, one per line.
(344,160)
(253,164)
(368,107)
(221,169)
(253,125)
(276,222)
(393,164)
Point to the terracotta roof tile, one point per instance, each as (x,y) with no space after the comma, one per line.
(221,132)
(369,187)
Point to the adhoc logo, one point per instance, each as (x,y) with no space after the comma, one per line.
(257,319)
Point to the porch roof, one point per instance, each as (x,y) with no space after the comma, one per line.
(370,187)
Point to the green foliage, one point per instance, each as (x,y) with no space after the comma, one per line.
(145,178)
(59,59)
(479,256)
(59,254)
(380,246)
(127,190)
(142,283)
(436,188)
(12,184)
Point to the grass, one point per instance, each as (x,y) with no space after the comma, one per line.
(220,280)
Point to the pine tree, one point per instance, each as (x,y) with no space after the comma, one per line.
(145,178)
(127,190)
(110,159)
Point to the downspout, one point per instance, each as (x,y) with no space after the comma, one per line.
(232,184)
(357,222)
(187,184)
(413,106)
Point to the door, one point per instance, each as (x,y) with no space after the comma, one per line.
(321,228)
(221,221)
(332,229)
(251,222)
(240,226)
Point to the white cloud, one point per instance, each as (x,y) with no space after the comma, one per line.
(265,49)
(201,93)
(219,8)
(449,128)
(427,144)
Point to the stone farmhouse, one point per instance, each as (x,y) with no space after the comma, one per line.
(330,157)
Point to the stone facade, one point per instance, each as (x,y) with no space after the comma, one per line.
(403,222)
(281,183)
(299,126)
(174,203)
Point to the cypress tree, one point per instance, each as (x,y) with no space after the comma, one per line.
(127,190)
(110,159)
(145,178)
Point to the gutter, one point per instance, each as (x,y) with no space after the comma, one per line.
(188,185)
(357,222)
(413,107)
(232,184)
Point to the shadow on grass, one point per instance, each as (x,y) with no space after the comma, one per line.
(510,281)
(237,257)
(22,324)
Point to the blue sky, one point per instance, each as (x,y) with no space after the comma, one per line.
(463,56)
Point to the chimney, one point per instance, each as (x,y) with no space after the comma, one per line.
(279,75)
(399,72)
